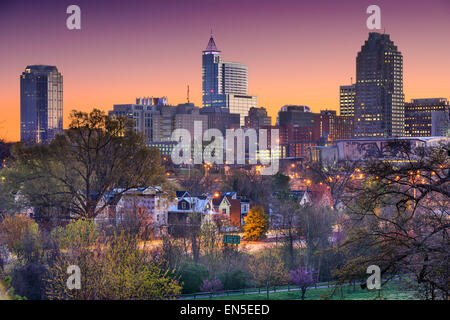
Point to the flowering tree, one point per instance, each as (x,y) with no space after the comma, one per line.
(303,278)
(256,224)
(211,286)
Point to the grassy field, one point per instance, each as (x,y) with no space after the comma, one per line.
(392,291)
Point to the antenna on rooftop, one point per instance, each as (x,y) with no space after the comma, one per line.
(187,93)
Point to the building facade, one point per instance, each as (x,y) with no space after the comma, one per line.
(440,124)
(379,100)
(299,130)
(257,118)
(221,119)
(419,114)
(334,127)
(41,104)
(158,121)
(347,100)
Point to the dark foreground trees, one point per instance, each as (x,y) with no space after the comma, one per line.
(77,170)
(400,219)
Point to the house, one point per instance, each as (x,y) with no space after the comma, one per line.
(222,205)
(147,202)
(182,210)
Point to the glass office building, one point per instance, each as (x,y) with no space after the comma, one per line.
(225,84)
(379,100)
(41,104)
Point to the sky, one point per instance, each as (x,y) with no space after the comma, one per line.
(297,52)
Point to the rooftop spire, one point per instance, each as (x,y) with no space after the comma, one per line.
(211,47)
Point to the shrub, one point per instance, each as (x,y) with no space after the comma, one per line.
(211,285)
(192,275)
(236,279)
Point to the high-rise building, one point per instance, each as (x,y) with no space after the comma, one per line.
(379,100)
(419,114)
(347,100)
(41,104)
(225,84)
(257,118)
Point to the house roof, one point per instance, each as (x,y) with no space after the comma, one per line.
(180,194)
(199,205)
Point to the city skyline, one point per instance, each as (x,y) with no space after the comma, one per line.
(156,52)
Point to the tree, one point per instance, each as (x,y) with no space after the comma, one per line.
(22,237)
(267,268)
(256,224)
(5,152)
(286,210)
(211,285)
(211,243)
(233,280)
(249,184)
(336,178)
(77,234)
(119,270)
(400,212)
(280,182)
(315,224)
(191,276)
(79,169)
(303,278)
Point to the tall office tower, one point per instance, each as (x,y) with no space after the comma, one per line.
(347,100)
(225,84)
(379,100)
(419,117)
(257,118)
(41,104)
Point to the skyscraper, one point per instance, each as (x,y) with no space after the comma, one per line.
(41,104)
(225,84)
(379,100)
(347,100)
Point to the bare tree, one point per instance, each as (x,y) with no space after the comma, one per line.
(401,214)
